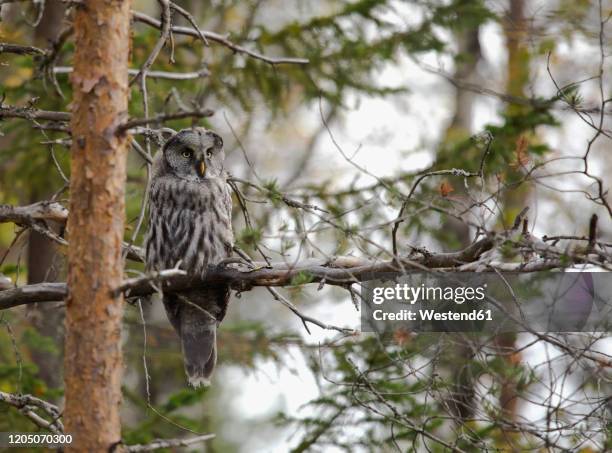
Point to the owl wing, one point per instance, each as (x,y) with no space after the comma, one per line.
(227,203)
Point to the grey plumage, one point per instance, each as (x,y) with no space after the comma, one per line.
(190,226)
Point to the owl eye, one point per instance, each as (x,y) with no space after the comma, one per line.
(187,154)
(209,153)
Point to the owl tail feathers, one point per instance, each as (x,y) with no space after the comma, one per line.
(200,355)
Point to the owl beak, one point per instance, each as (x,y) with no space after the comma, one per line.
(201,168)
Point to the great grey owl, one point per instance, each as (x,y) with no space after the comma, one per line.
(190,225)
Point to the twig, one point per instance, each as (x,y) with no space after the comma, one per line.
(285,199)
(568,237)
(454,172)
(305,318)
(187,15)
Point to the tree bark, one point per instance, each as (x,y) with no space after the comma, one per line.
(93,360)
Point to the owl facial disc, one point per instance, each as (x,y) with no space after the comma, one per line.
(195,154)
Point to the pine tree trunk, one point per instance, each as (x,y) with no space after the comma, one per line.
(93,361)
(462,393)
(516,31)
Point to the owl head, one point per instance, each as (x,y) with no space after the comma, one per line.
(194,154)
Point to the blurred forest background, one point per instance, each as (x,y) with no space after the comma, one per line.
(392,88)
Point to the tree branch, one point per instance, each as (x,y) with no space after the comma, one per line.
(36,215)
(339,271)
(32,114)
(205,113)
(169,443)
(211,36)
(26,404)
(25,215)
(20,50)
(204,72)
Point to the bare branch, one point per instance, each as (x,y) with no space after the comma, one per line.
(165,117)
(305,318)
(168,443)
(20,50)
(25,215)
(211,36)
(270,193)
(27,404)
(151,74)
(36,215)
(32,114)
